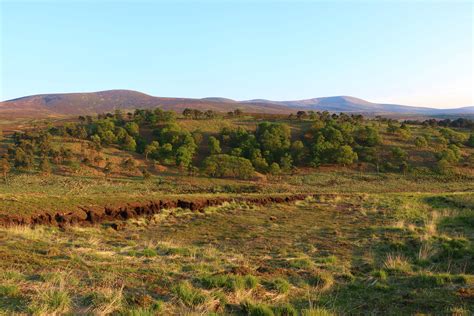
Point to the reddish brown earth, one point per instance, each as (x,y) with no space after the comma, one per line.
(85,217)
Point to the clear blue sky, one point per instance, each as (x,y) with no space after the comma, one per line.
(400,52)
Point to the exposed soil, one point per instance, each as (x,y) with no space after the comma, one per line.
(85,217)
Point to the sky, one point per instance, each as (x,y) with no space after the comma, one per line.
(404,52)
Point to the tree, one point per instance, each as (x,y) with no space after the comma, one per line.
(151,149)
(444,167)
(96,140)
(399,154)
(298,152)
(301,115)
(286,162)
(184,156)
(132,129)
(23,159)
(367,136)
(5,168)
(45,166)
(274,169)
(470,141)
(274,140)
(108,137)
(228,166)
(345,155)
(421,142)
(129,143)
(214,146)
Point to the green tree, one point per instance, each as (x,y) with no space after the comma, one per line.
(228,166)
(151,149)
(129,143)
(274,169)
(184,156)
(286,162)
(421,142)
(367,136)
(345,155)
(23,159)
(132,129)
(214,146)
(274,140)
(470,141)
(444,167)
(298,152)
(96,140)
(108,137)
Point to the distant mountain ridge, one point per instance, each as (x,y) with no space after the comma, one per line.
(60,104)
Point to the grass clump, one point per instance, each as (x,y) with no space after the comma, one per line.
(321,279)
(301,263)
(280,285)
(397,263)
(51,301)
(435,280)
(380,275)
(229,282)
(285,310)
(9,290)
(104,301)
(148,252)
(188,295)
(257,309)
(316,311)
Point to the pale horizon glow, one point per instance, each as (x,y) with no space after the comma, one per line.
(418,54)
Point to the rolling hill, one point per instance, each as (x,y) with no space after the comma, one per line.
(54,105)
(351,104)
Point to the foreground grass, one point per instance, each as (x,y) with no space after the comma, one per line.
(357,254)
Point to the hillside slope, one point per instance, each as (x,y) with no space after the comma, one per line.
(44,105)
(50,105)
(351,104)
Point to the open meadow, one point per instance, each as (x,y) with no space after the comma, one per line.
(309,215)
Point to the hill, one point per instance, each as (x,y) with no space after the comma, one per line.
(351,104)
(45,105)
(51,105)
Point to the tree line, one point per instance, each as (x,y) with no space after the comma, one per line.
(234,152)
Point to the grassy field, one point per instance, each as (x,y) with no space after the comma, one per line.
(389,243)
(27,194)
(387,254)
